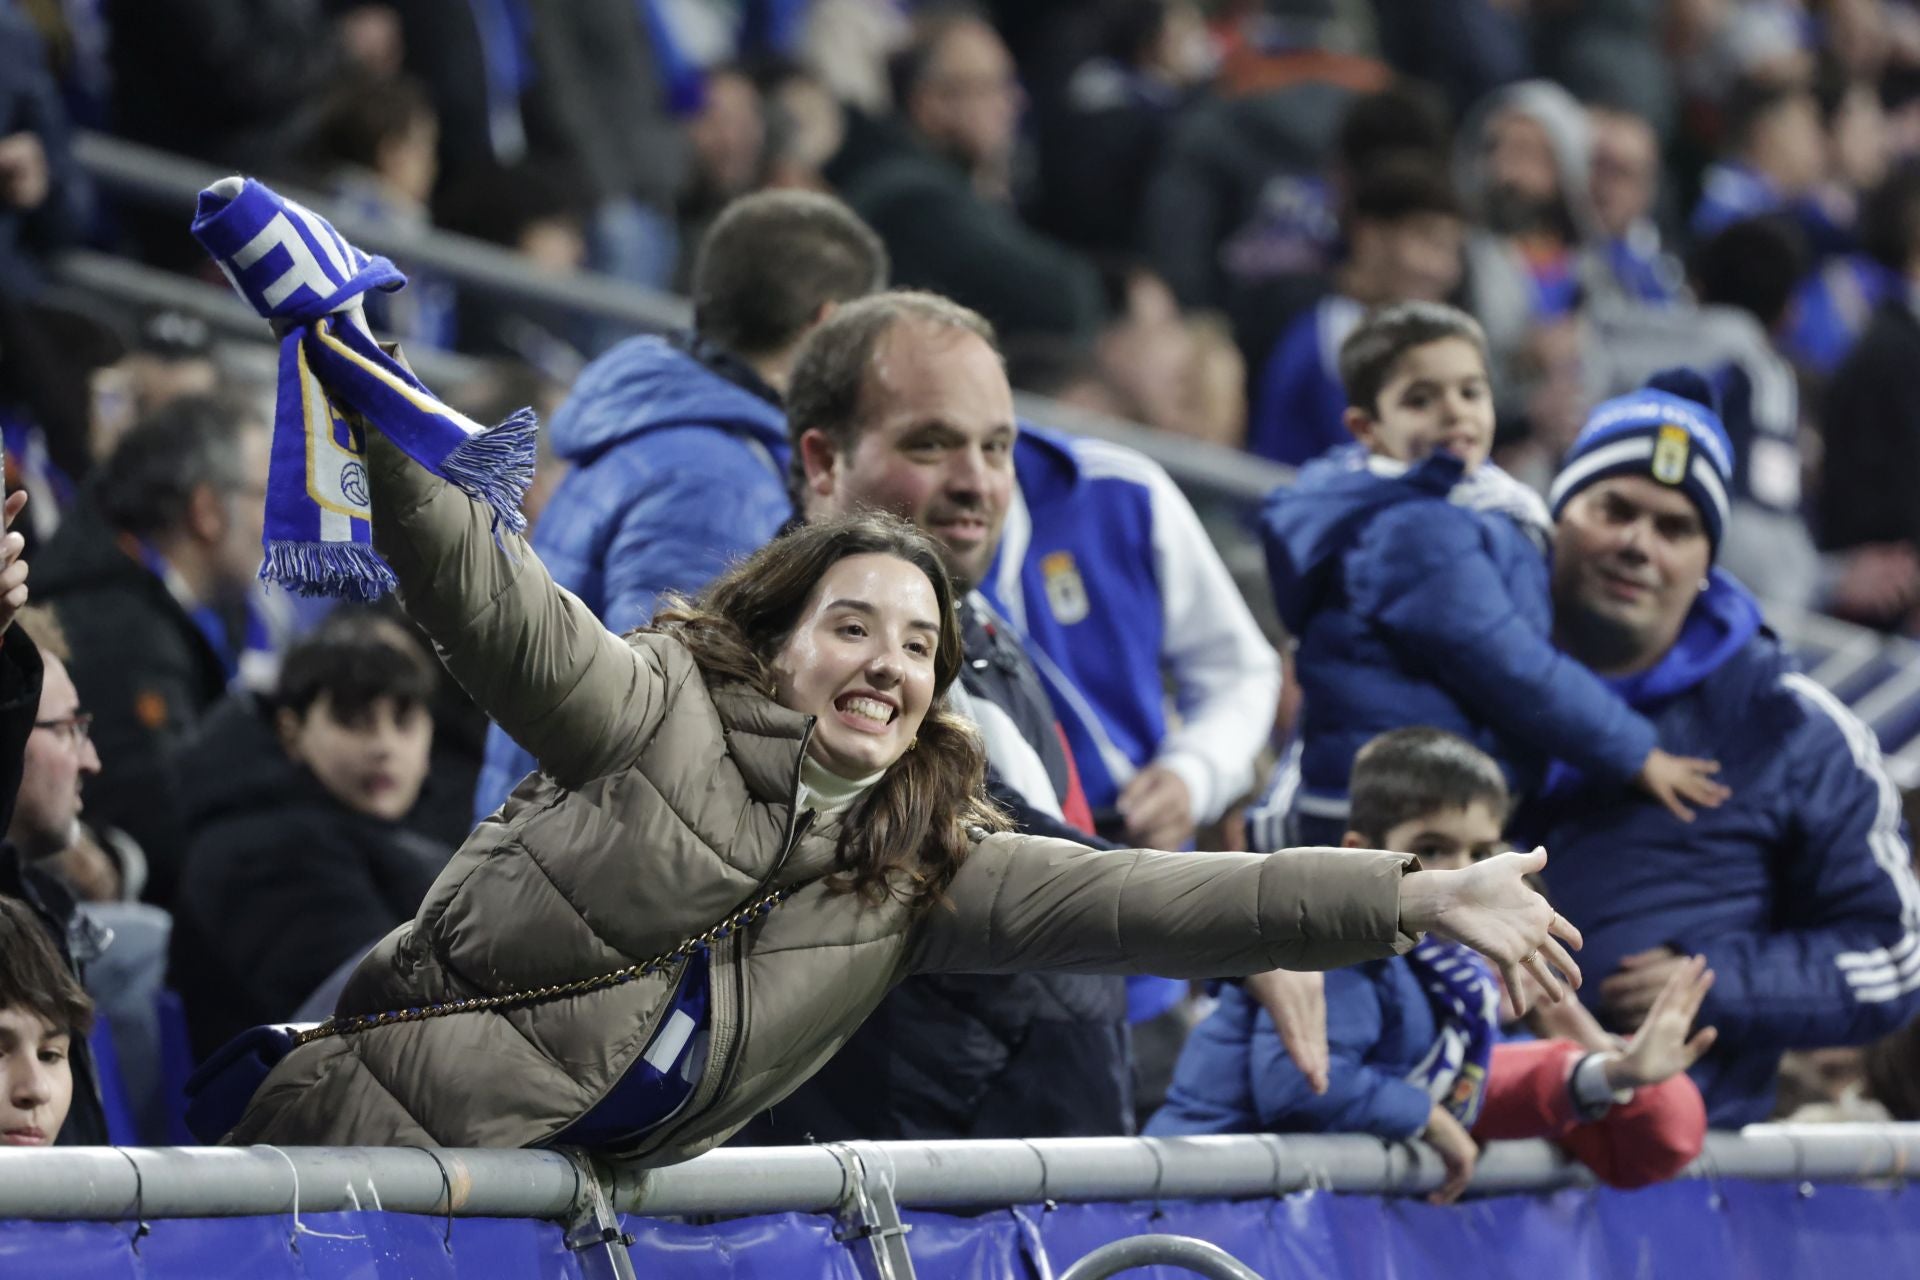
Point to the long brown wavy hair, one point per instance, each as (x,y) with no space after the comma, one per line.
(910,833)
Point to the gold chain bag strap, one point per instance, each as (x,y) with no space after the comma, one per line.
(740,919)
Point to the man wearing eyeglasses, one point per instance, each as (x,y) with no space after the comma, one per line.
(44,755)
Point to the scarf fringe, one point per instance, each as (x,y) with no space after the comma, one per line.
(495,466)
(346,570)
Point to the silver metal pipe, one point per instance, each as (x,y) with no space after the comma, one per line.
(151,289)
(1185,1252)
(112,1183)
(167,181)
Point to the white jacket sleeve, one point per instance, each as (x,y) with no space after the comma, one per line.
(1226,676)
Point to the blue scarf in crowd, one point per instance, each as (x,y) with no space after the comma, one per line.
(299,272)
(1466,1004)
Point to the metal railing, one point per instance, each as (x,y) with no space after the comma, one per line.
(866,1183)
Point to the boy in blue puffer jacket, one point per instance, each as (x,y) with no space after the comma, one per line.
(1413,574)
(1416,1040)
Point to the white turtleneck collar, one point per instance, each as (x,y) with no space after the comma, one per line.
(826,792)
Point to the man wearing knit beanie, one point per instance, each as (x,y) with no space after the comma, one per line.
(1662,453)
(1799,890)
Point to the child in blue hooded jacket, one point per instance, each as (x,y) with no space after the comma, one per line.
(1416,1041)
(1414,575)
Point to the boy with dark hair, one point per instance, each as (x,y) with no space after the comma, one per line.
(297,858)
(1403,227)
(1416,1039)
(43,1013)
(1413,573)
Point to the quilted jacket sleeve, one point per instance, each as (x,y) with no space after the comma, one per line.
(1433,588)
(529,653)
(1026,902)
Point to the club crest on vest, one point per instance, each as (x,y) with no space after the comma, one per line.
(1066,592)
(1671,449)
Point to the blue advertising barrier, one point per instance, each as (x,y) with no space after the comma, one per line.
(1692,1230)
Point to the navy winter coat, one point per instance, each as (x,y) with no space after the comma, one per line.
(1234,1075)
(1412,610)
(1799,890)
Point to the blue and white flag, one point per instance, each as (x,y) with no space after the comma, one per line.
(297,271)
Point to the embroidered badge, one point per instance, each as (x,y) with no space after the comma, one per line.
(1670,452)
(1066,592)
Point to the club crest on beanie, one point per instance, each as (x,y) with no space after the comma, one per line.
(1669,431)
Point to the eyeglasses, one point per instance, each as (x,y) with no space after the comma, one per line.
(76,727)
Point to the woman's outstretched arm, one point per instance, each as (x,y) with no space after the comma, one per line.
(533,657)
(1021,902)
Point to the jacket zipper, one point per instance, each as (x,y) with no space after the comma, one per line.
(798,824)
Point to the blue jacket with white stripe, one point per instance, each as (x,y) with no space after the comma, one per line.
(1799,890)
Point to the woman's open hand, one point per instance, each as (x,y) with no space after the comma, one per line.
(1490,908)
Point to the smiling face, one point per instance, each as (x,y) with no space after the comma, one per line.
(37,1077)
(935,446)
(860,660)
(1630,557)
(1436,396)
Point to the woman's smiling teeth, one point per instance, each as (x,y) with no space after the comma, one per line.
(871,710)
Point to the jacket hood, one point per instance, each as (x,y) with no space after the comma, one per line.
(234,764)
(1565,121)
(648,383)
(1308,526)
(1720,624)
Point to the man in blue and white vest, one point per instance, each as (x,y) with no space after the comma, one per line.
(1104,565)
(1799,890)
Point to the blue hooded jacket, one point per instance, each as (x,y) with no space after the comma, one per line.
(1412,610)
(1234,1075)
(1799,890)
(679,469)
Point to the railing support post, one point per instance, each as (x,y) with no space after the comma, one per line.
(593,1230)
(869,1214)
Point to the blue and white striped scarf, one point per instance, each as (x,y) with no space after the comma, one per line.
(297,271)
(1466,1004)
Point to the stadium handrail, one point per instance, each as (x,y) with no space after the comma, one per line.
(109,1183)
(165,180)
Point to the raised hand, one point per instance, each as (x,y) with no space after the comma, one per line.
(1663,1047)
(13,569)
(1676,780)
(1490,907)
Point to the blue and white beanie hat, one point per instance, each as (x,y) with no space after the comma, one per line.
(1668,430)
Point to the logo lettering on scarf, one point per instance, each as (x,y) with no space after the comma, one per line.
(302,267)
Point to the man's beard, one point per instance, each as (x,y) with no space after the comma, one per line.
(1512,213)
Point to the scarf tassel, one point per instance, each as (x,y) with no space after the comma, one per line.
(345,570)
(495,466)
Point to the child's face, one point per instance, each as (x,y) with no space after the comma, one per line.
(374,763)
(1451,838)
(1436,397)
(37,1076)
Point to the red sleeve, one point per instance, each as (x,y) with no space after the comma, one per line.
(1647,1140)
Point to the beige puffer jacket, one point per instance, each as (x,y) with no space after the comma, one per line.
(665,805)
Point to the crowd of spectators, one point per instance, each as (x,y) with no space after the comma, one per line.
(1178,212)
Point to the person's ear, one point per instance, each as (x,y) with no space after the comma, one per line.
(1354,840)
(820,462)
(286,726)
(1359,424)
(206,513)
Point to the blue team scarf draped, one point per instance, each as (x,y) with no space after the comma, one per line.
(1466,1004)
(297,271)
